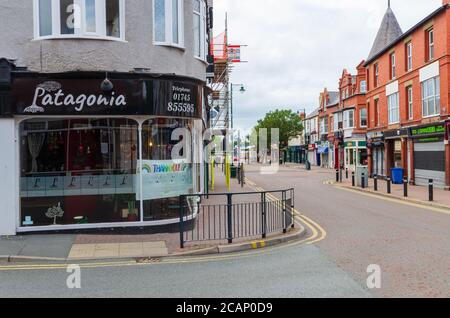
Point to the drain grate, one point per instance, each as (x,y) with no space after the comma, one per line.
(148,260)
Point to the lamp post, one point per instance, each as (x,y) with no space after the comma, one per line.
(241,90)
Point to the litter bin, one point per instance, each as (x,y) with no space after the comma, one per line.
(397,175)
(233,172)
(359,173)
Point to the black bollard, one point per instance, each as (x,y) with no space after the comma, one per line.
(363,181)
(337,175)
(375,182)
(346,173)
(353,179)
(430,190)
(405,188)
(340,175)
(388,185)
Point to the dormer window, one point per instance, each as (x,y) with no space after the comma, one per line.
(79,19)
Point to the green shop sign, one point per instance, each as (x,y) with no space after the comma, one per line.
(430,130)
(354,144)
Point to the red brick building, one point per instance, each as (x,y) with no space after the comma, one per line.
(329,103)
(408,98)
(352,113)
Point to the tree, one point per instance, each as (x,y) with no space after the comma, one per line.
(288,122)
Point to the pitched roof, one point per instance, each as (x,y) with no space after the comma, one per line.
(389,31)
(333,98)
(315,113)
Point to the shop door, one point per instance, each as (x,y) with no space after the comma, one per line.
(429,163)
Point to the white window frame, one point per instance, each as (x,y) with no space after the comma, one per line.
(376,74)
(410,102)
(324,126)
(363,87)
(361,117)
(100,18)
(169,25)
(430,33)
(435,98)
(393,67)
(347,119)
(409,60)
(393,109)
(203,30)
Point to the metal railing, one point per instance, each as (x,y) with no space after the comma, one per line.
(230,216)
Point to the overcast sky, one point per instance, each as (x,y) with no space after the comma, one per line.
(298,47)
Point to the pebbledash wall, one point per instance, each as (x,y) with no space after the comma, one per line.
(88,111)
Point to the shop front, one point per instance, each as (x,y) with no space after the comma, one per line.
(355,154)
(375,146)
(295,154)
(312,154)
(100,152)
(429,154)
(396,148)
(339,150)
(323,151)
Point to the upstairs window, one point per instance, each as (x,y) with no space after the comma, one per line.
(363,87)
(410,101)
(430,44)
(431,97)
(392,60)
(79,18)
(349,119)
(200,45)
(393,109)
(409,62)
(363,117)
(168,22)
(375,74)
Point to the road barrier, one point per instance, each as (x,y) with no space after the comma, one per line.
(230,216)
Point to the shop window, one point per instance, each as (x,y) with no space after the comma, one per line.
(82,170)
(168,22)
(168,169)
(363,157)
(393,109)
(398,154)
(79,18)
(431,97)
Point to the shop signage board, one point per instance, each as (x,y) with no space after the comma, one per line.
(438,129)
(63,95)
(397,133)
(354,144)
(164,179)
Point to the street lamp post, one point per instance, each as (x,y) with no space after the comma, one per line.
(231,124)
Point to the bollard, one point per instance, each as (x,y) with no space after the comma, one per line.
(337,175)
(405,188)
(346,173)
(353,179)
(363,181)
(430,190)
(388,185)
(375,182)
(340,175)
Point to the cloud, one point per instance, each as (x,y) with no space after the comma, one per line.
(298,47)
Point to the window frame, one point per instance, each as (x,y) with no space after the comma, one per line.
(203,30)
(347,119)
(79,33)
(376,74)
(436,98)
(430,45)
(392,60)
(409,56)
(410,102)
(363,84)
(168,18)
(361,111)
(392,108)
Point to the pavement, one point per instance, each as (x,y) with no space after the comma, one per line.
(416,194)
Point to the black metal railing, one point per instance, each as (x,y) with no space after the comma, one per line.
(231,216)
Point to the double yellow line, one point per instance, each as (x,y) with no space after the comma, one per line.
(318,233)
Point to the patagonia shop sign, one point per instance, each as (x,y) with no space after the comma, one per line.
(429,130)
